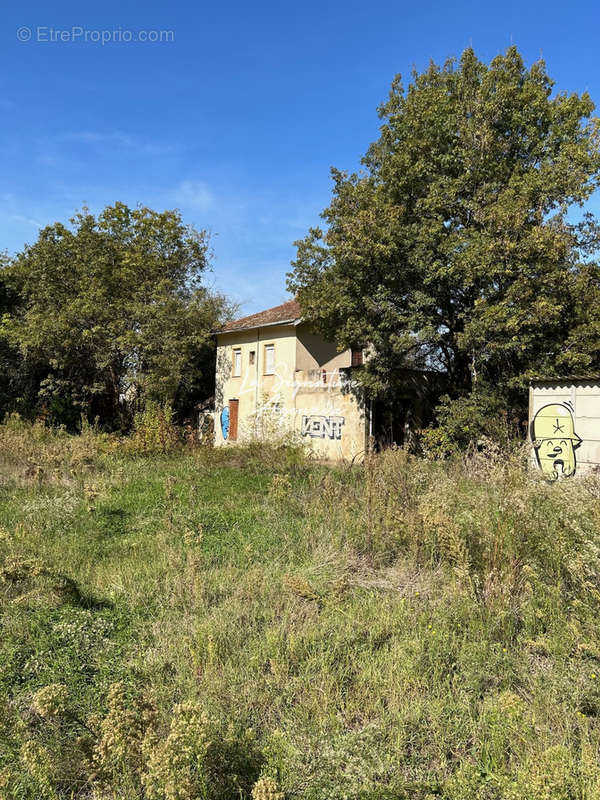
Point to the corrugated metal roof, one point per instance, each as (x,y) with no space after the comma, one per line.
(288,312)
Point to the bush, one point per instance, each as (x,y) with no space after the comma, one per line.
(462,423)
(154,431)
(185,757)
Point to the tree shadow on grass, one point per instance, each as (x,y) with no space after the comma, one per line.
(112,522)
(29,584)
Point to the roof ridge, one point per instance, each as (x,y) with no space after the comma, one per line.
(288,311)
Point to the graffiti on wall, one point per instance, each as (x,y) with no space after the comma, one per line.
(318,427)
(225,422)
(555,441)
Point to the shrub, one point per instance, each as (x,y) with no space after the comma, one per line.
(50,701)
(266,789)
(184,756)
(462,423)
(154,431)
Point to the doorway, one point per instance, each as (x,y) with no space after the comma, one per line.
(233,419)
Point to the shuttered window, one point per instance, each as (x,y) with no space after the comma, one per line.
(269,359)
(237,363)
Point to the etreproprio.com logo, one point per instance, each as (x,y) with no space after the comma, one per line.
(78,34)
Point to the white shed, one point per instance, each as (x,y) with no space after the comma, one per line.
(564,425)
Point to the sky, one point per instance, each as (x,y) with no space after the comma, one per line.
(232,112)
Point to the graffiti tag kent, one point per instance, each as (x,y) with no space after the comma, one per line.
(318,427)
(555,441)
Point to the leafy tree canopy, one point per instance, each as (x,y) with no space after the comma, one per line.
(115,308)
(13,371)
(454,248)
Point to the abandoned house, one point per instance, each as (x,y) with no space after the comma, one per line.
(275,375)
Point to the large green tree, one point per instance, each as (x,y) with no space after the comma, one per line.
(115,307)
(17,377)
(455,248)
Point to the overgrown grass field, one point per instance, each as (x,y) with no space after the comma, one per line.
(247,623)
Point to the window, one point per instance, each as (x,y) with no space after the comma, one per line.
(237,363)
(269,359)
(357,358)
(252,357)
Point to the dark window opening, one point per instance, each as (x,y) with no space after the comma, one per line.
(357,358)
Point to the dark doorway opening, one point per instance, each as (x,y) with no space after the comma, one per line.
(389,423)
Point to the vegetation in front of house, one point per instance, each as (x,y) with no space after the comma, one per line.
(461,247)
(464,247)
(183,623)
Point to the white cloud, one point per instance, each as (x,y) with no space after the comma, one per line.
(27,220)
(192,194)
(116,138)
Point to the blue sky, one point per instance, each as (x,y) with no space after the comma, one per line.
(238,120)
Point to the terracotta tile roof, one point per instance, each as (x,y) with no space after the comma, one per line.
(286,312)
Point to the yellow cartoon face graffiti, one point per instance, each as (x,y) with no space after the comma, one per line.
(555,441)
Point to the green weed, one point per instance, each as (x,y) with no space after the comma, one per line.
(246,623)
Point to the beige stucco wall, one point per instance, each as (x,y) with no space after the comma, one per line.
(583,400)
(313,352)
(324,414)
(330,415)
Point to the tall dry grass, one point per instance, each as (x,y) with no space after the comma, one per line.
(246,623)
